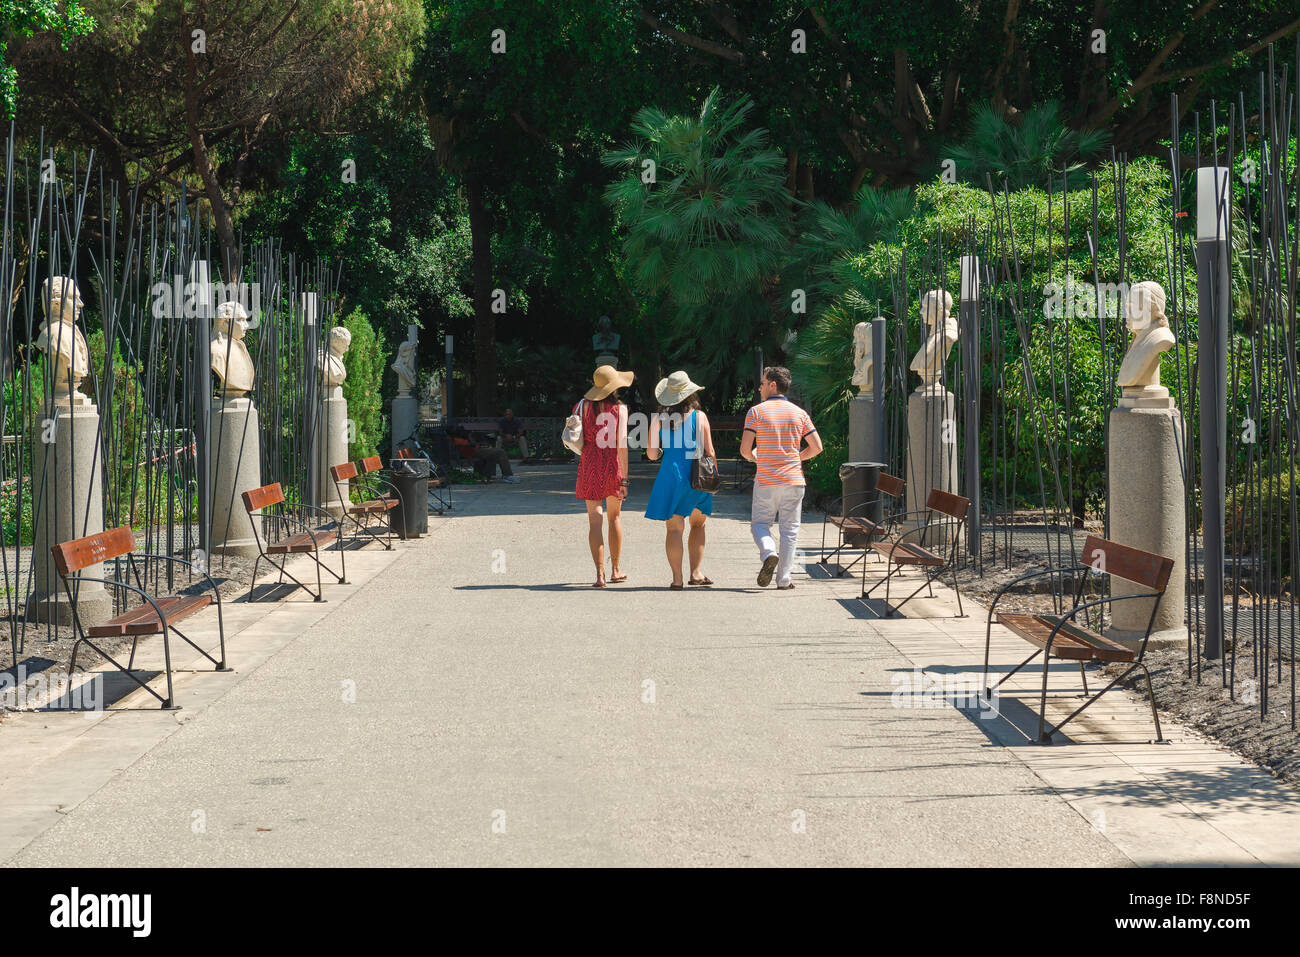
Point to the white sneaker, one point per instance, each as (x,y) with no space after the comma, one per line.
(512,479)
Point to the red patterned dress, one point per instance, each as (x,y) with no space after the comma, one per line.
(599,475)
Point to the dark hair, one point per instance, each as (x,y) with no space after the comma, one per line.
(692,401)
(780,375)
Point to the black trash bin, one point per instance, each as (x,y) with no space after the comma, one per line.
(411,479)
(858,486)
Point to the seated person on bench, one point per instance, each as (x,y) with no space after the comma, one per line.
(485,460)
(511,429)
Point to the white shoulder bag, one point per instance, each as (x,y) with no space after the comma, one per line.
(572,434)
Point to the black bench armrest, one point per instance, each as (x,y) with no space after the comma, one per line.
(1064,569)
(314,508)
(898,517)
(289,519)
(180,561)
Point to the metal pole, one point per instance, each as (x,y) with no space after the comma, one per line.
(314,404)
(879,368)
(1212,357)
(968,314)
(202,385)
(446,384)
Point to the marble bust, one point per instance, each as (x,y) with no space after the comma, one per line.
(332,370)
(863,361)
(228,355)
(1139,373)
(606,341)
(404,366)
(940,335)
(60,338)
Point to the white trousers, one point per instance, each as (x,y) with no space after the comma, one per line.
(780,505)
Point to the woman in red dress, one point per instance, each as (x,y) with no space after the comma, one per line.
(602,467)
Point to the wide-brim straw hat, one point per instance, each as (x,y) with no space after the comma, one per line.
(676,388)
(605,380)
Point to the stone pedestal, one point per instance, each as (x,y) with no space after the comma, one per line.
(67,503)
(1147,500)
(931,456)
(406,416)
(863,423)
(236,468)
(332,449)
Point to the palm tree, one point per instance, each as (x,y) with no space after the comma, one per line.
(707,219)
(1035,149)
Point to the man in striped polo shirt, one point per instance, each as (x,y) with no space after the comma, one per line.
(774,431)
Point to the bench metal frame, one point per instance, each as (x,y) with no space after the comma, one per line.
(366,482)
(1044,732)
(167,703)
(932,572)
(884,529)
(279,515)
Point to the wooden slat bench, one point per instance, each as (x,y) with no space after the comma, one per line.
(900,553)
(258,502)
(1063,638)
(857,530)
(375,501)
(157,615)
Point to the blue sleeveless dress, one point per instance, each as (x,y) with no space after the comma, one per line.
(672,493)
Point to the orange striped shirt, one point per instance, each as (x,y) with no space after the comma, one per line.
(779,428)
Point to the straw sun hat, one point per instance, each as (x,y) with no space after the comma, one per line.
(605,380)
(674,389)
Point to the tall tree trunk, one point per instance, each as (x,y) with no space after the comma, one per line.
(221,211)
(485,325)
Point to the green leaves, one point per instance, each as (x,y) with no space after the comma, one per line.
(28,17)
(1036,149)
(709,230)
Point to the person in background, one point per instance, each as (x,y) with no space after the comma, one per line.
(773,433)
(484,460)
(602,467)
(511,429)
(682,432)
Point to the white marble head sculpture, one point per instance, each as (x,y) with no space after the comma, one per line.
(232,319)
(333,371)
(1145,306)
(938,335)
(1139,373)
(404,366)
(227,353)
(60,338)
(935,306)
(340,339)
(863,360)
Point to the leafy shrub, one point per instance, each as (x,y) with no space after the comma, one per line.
(365,364)
(1261,523)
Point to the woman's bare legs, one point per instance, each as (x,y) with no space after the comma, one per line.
(696,543)
(614,505)
(673,546)
(596,538)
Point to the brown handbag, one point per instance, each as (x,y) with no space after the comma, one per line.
(704,468)
(704,474)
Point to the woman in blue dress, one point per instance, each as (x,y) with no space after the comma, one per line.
(681,433)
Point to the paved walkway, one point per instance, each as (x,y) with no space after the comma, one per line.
(471,700)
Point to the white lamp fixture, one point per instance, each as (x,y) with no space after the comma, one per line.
(1212,203)
(970,278)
